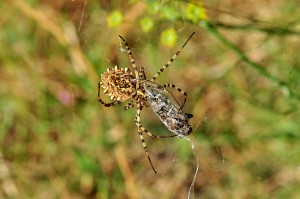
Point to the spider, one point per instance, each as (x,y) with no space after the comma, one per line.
(122,85)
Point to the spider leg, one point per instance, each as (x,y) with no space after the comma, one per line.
(156,136)
(129,105)
(102,102)
(138,123)
(130,57)
(179,90)
(171,60)
(142,74)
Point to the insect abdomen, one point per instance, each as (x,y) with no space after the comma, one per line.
(167,109)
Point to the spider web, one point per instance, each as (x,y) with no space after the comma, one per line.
(240,70)
(137,45)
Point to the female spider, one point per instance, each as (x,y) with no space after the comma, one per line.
(121,85)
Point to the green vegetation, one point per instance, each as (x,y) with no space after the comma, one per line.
(241,72)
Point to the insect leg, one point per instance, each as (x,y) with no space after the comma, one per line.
(179,90)
(102,102)
(138,123)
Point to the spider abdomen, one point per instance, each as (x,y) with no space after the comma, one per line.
(117,83)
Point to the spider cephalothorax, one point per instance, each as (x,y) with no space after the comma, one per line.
(117,83)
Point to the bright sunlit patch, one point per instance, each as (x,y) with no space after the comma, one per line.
(146,24)
(168,37)
(114,19)
(195,12)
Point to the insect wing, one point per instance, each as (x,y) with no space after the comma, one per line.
(167,109)
(155,90)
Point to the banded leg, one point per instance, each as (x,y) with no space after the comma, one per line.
(179,90)
(156,136)
(142,74)
(102,102)
(171,60)
(130,57)
(129,105)
(188,115)
(138,123)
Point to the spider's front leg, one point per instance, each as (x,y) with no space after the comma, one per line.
(170,61)
(102,102)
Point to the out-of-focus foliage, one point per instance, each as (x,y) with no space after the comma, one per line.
(168,37)
(114,19)
(195,12)
(240,70)
(146,24)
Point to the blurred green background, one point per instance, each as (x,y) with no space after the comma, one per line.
(241,72)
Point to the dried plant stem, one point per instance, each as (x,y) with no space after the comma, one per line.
(7,183)
(130,183)
(65,35)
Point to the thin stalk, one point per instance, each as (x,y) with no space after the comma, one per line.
(259,68)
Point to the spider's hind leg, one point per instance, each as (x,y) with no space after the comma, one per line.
(104,103)
(138,123)
(156,136)
(129,105)
(142,130)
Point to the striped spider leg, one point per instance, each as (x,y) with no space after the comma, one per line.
(164,105)
(167,109)
(142,130)
(170,61)
(104,103)
(121,85)
(183,93)
(179,90)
